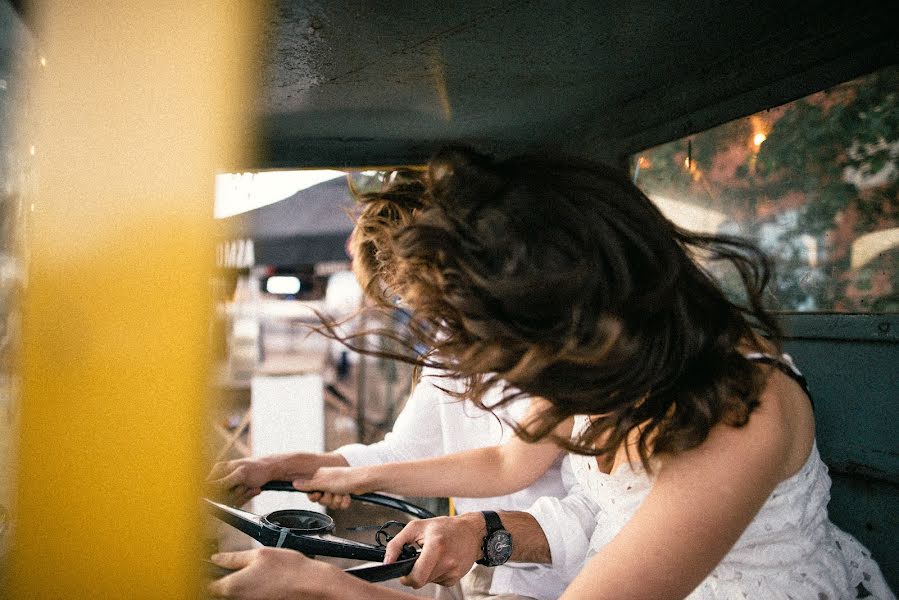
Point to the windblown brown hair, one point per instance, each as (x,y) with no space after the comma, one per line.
(559,279)
(382,214)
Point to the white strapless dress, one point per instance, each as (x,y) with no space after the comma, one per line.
(790,551)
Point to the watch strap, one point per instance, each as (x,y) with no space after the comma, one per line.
(493,521)
(494,524)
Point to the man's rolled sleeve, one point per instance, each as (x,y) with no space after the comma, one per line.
(361,455)
(417,432)
(568,524)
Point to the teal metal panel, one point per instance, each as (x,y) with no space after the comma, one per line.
(852,364)
(842,327)
(855,383)
(856,403)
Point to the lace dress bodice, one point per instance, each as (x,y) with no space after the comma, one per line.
(790,550)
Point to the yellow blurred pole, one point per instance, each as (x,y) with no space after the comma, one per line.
(138,104)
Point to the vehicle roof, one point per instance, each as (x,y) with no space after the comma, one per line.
(380,83)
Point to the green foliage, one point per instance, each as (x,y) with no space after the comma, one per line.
(817,138)
(830,163)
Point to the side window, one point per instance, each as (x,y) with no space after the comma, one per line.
(814,182)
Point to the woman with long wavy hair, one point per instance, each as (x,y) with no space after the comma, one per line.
(690,433)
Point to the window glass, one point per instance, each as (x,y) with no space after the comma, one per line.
(813,182)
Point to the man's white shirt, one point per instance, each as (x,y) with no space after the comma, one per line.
(434,423)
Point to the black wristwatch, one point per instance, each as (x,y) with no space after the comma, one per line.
(497,545)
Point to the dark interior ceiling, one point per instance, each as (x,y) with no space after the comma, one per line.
(375,83)
(365,83)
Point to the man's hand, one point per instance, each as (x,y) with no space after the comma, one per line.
(267,573)
(237,481)
(449,547)
(275,573)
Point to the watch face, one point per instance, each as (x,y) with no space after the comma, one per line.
(499,547)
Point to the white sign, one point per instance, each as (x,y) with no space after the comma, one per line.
(236,193)
(235,254)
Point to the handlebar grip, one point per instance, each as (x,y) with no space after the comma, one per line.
(280,486)
(379,499)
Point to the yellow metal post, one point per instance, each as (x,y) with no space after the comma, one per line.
(138,104)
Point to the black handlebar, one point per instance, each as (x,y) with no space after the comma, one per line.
(379,499)
(269,533)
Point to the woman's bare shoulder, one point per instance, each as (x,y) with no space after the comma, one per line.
(785,407)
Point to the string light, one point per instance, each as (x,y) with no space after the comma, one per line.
(760,128)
